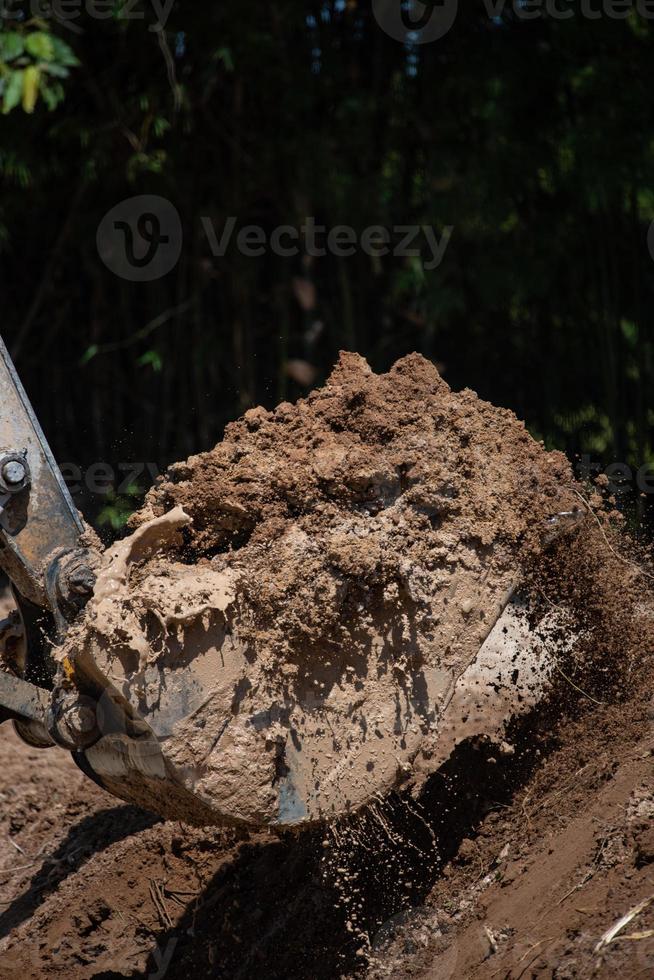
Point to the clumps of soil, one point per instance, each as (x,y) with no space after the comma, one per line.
(370,493)
(599,580)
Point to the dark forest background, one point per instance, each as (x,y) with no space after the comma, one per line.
(533,139)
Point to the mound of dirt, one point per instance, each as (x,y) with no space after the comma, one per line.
(378,491)
(324,576)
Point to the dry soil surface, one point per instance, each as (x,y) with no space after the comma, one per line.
(511,867)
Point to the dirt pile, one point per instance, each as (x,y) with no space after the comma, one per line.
(373,490)
(326,574)
(601,582)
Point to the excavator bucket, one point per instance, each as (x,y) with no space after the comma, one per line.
(144,667)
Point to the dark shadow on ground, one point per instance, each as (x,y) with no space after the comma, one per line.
(89,836)
(274,912)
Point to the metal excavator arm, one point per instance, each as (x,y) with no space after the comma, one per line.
(44,555)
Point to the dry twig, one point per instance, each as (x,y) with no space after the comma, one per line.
(611,934)
(572,684)
(159,901)
(14,871)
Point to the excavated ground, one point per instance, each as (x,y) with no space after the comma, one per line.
(511,861)
(519,869)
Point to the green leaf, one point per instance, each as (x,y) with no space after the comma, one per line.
(629,332)
(31,80)
(64,53)
(153,358)
(13,91)
(115,517)
(161,126)
(40,46)
(57,71)
(119,507)
(89,354)
(52,94)
(225,55)
(133,490)
(11,45)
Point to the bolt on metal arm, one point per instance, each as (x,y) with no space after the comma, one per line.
(37,516)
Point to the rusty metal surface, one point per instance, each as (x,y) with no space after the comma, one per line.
(45,518)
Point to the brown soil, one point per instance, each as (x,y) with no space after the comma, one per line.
(374,494)
(329,571)
(510,862)
(544,850)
